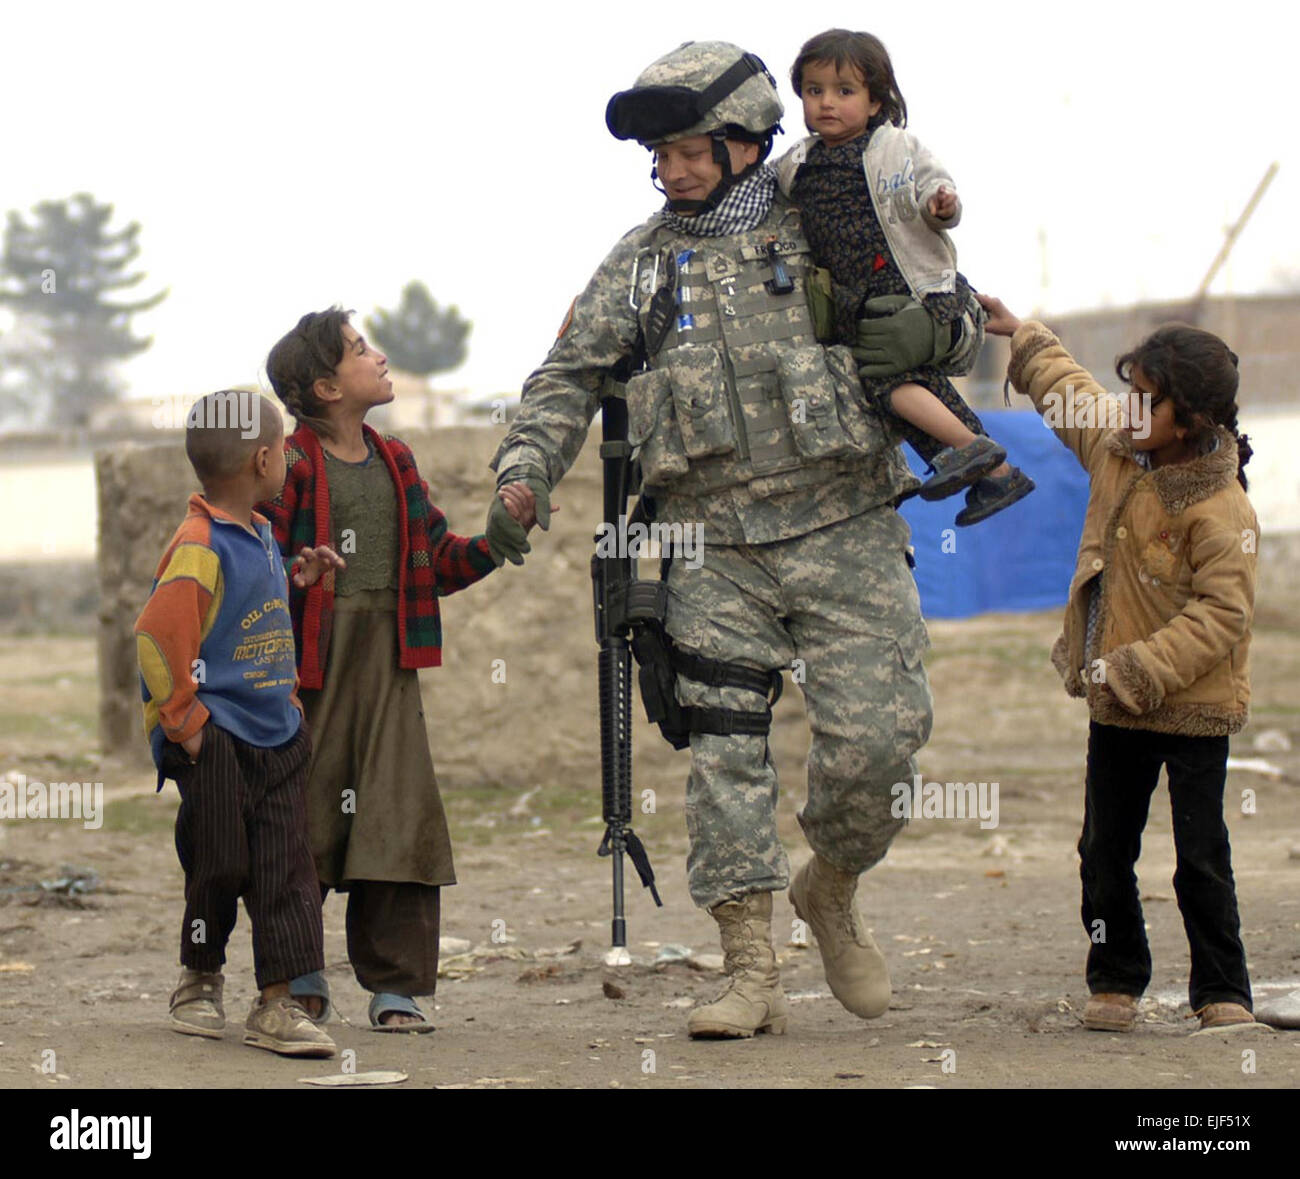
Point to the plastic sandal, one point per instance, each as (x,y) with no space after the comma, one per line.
(313,986)
(991,495)
(954,469)
(382,1003)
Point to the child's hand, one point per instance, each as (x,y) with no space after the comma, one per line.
(521,503)
(943,204)
(1000,322)
(192,745)
(310,565)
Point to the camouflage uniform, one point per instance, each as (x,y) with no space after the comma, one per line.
(748,427)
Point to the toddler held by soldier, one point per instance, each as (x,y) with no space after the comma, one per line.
(876,206)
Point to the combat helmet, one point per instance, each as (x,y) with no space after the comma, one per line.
(701,88)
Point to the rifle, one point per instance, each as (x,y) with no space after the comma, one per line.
(622,604)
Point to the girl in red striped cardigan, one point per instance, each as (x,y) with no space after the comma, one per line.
(376,819)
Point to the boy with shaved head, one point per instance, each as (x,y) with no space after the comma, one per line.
(216,652)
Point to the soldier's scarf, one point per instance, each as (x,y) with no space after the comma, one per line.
(742,208)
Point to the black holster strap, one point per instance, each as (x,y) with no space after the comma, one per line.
(718,674)
(727,722)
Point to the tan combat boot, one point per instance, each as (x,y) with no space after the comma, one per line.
(753,1001)
(855,968)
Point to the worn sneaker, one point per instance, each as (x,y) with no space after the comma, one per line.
(957,468)
(993,493)
(195,1005)
(1110,1012)
(1216,1016)
(283,1026)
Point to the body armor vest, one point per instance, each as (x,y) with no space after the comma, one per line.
(737,389)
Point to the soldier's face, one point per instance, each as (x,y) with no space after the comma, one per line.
(688,171)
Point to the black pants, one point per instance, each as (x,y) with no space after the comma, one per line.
(1123,769)
(242,831)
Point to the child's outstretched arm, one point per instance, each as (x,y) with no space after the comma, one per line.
(458,561)
(1072,403)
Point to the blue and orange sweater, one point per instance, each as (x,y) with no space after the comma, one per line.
(215,638)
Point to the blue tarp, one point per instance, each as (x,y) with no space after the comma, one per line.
(1020,559)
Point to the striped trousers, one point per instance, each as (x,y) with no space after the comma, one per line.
(242,831)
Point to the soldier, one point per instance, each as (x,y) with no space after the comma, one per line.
(751,431)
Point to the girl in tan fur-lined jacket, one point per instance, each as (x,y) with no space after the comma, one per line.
(1157,639)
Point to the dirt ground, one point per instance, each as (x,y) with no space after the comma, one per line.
(981,927)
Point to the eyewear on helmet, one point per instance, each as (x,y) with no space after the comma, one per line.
(652,113)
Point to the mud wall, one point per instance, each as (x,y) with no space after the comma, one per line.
(505,720)
(526,722)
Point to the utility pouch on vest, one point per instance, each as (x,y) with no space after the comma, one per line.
(866,427)
(810,393)
(821,307)
(699,384)
(652,426)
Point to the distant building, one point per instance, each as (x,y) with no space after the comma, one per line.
(415,407)
(1263,330)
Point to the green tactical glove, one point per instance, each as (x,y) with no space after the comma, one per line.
(896,334)
(506,537)
(541,490)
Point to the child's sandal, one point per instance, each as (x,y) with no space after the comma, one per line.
(383,1003)
(993,493)
(954,469)
(312,986)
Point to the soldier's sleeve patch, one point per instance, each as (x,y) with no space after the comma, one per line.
(568,320)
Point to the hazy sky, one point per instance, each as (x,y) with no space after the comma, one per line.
(282,157)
